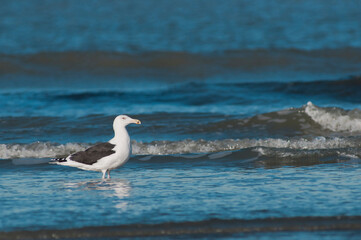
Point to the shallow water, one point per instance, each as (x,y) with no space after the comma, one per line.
(250,115)
(174,191)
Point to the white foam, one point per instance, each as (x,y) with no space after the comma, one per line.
(38,150)
(202,146)
(334,120)
(49,150)
(350,156)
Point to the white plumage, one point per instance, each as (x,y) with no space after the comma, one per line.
(104,157)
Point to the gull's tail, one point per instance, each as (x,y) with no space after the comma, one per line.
(57,160)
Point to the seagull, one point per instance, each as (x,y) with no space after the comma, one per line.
(106,156)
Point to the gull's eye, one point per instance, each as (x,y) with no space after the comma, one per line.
(123,118)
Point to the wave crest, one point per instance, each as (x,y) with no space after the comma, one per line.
(49,150)
(335,119)
(39,150)
(202,146)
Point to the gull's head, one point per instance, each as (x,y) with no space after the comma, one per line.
(124,120)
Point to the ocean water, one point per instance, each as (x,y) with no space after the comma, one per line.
(250,111)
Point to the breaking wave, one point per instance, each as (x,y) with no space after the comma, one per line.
(38,150)
(335,119)
(295,134)
(203,146)
(49,150)
(304,122)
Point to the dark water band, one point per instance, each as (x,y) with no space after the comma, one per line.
(213,226)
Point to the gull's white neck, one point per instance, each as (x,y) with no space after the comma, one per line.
(121,136)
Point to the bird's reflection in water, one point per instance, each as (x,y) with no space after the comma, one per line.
(119,188)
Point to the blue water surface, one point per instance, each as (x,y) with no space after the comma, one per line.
(250,110)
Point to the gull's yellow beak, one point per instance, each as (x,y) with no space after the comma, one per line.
(136,121)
